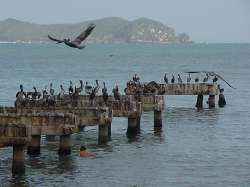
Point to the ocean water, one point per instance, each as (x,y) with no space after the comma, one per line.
(196,148)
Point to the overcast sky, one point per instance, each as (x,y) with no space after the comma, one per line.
(203,20)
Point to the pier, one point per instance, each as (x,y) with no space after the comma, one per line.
(22,125)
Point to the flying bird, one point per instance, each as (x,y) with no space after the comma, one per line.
(76,43)
(211,73)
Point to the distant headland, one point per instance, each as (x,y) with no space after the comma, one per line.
(108,30)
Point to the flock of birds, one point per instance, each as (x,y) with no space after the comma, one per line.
(48,95)
(208,74)
(196,80)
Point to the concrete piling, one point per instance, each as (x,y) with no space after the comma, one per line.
(132,129)
(50,137)
(109,131)
(34,145)
(211,101)
(18,166)
(65,145)
(157,119)
(199,102)
(103,134)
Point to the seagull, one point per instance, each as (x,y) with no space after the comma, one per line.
(211,73)
(78,40)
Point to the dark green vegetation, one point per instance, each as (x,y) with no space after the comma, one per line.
(108,30)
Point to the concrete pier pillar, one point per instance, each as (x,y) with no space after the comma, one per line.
(18,166)
(50,137)
(103,134)
(109,131)
(132,129)
(34,145)
(222,100)
(199,102)
(65,145)
(211,101)
(157,120)
(138,125)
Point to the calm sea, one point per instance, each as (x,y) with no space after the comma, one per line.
(196,148)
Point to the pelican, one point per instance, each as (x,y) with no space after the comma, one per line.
(76,43)
(62,92)
(88,88)
(79,89)
(51,90)
(179,79)
(173,79)
(215,79)
(105,93)
(196,79)
(189,78)
(71,90)
(116,93)
(166,78)
(206,78)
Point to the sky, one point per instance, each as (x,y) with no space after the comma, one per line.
(222,21)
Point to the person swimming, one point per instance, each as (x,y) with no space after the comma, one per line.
(84,152)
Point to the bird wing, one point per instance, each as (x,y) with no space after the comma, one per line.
(54,39)
(211,73)
(84,34)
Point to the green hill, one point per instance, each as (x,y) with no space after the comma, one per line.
(108,30)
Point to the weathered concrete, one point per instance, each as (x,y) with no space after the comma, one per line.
(211,101)
(65,145)
(34,145)
(199,102)
(172,89)
(157,119)
(132,129)
(103,134)
(18,166)
(222,100)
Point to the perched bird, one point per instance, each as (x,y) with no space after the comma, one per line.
(166,78)
(196,79)
(206,78)
(88,88)
(105,93)
(76,43)
(179,79)
(79,89)
(96,88)
(62,92)
(136,78)
(116,93)
(173,79)
(51,90)
(189,78)
(45,93)
(215,79)
(71,90)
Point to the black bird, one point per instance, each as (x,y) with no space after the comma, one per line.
(166,78)
(173,79)
(105,95)
(79,89)
(71,90)
(136,78)
(78,40)
(215,79)
(116,93)
(205,78)
(88,88)
(179,79)
(196,79)
(189,78)
(51,90)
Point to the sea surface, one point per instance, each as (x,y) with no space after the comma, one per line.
(207,148)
